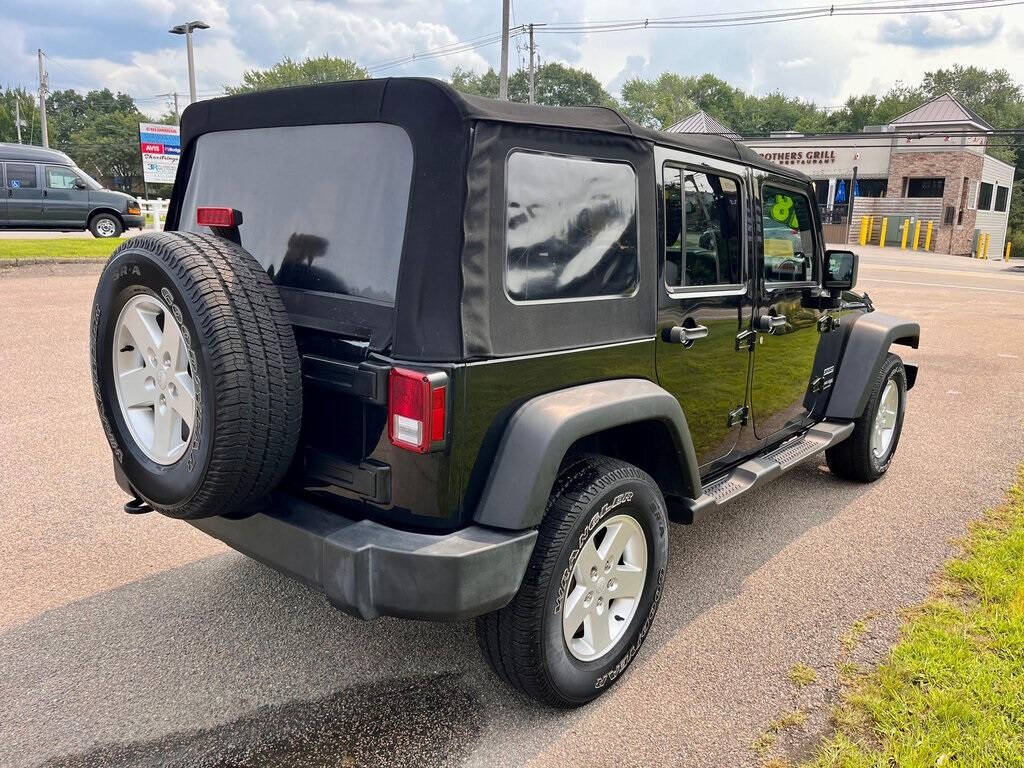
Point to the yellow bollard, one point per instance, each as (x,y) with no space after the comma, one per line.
(1006,257)
(881,235)
(988,237)
(871,228)
(863,230)
(917,233)
(978,246)
(928,237)
(906,231)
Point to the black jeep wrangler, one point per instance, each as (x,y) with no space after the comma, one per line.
(441,356)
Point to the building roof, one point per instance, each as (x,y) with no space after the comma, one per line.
(942,109)
(702,122)
(32,154)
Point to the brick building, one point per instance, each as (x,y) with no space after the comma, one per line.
(929,164)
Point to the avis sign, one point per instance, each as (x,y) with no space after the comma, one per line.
(161,147)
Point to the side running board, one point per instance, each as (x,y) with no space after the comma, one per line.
(762,469)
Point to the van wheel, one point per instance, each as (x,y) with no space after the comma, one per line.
(591,588)
(105,225)
(866,454)
(196,373)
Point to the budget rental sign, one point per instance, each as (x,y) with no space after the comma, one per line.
(161,147)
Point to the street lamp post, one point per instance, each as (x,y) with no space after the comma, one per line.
(186,30)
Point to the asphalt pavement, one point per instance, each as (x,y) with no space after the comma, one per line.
(137,641)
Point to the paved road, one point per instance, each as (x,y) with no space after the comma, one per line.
(136,641)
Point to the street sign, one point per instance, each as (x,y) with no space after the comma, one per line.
(161,147)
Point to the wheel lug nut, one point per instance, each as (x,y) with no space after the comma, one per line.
(593,573)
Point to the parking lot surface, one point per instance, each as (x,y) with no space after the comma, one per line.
(138,641)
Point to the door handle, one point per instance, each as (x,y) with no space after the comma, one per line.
(45,194)
(684,335)
(770,323)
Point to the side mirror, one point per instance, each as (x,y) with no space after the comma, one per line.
(79,184)
(840,270)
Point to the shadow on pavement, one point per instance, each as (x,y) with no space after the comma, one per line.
(225,663)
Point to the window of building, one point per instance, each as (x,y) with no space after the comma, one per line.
(789,251)
(571,229)
(925,187)
(21,176)
(872,187)
(1002,193)
(703,229)
(985,197)
(972,194)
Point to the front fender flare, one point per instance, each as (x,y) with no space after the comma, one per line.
(868,341)
(543,429)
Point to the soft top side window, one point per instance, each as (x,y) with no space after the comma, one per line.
(570,228)
(788,224)
(703,229)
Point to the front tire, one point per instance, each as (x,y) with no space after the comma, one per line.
(591,589)
(105,225)
(866,454)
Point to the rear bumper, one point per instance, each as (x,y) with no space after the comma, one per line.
(367,569)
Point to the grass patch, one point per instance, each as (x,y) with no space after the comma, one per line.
(952,690)
(765,743)
(802,675)
(857,630)
(57,249)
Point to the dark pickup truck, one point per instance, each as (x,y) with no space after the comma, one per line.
(440,356)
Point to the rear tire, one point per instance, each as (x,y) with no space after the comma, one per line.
(228,389)
(596,505)
(866,454)
(105,225)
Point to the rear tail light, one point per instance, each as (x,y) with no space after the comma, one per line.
(208,216)
(417,409)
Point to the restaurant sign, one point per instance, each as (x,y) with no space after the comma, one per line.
(809,157)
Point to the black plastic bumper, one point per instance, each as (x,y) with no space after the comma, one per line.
(367,569)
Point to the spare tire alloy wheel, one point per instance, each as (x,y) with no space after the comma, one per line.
(153,379)
(196,374)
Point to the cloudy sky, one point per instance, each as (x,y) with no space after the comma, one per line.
(125,46)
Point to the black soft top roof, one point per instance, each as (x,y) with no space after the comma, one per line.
(449,301)
(401,99)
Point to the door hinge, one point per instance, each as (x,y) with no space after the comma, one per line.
(739,416)
(745,340)
(828,323)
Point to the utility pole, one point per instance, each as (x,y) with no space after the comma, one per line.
(42,99)
(532,87)
(533,69)
(17,114)
(503,77)
(177,114)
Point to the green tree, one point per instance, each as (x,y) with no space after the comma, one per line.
(108,147)
(29,115)
(309,71)
(555,85)
(658,103)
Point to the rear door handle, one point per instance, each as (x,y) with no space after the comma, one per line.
(770,323)
(684,335)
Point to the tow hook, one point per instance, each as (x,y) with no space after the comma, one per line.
(137,507)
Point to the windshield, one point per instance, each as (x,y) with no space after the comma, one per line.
(90,182)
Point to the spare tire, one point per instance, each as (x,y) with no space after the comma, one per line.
(196,373)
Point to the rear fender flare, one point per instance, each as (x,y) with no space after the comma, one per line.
(543,429)
(868,341)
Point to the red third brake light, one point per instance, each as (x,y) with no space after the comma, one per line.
(217,217)
(416,409)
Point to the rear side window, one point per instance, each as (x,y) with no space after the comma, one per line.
(703,229)
(571,229)
(21,176)
(323,206)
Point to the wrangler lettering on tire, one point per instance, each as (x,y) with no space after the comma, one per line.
(195,372)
